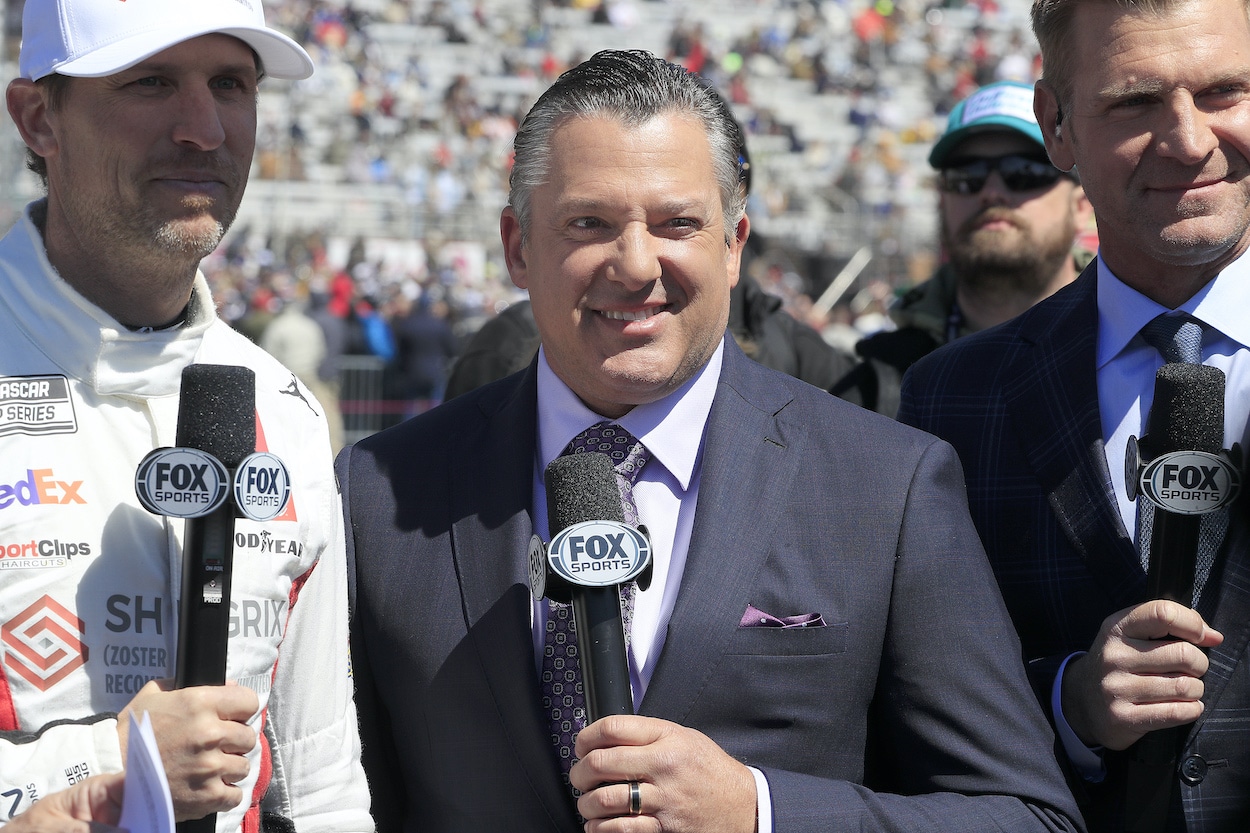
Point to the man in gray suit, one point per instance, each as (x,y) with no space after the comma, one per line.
(1151,102)
(820,647)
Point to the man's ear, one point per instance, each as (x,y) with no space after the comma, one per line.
(1055,133)
(513,248)
(739,241)
(28,107)
(1082,210)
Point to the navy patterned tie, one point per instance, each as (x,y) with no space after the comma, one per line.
(563,698)
(1178,338)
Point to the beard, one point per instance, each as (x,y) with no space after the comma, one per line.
(178,240)
(197,235)
(1021,259)
(193,227)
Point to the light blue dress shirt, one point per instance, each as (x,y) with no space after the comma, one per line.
(1126,367)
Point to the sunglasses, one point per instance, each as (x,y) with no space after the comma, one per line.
(1019,173)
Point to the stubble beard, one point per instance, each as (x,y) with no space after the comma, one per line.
(200,222)
(1008,261)
(1184,242)
(193,237)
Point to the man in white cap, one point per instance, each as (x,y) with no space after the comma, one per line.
(1008,222)
(140,117)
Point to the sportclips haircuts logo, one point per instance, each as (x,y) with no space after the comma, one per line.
(44,643)
(47,552)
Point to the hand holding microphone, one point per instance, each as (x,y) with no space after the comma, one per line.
(211,478)
(1143,672)
(204,737)
(641,766)
(1180,467)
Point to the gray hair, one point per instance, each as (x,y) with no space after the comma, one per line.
(633,87)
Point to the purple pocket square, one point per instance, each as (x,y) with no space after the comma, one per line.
(756,618)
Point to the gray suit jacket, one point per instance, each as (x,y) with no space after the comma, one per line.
(1020,404)
(912,693)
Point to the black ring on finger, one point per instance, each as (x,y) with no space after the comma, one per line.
(635,799)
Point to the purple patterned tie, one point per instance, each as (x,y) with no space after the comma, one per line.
(563,698)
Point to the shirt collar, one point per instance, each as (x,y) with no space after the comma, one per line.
(83,340)
(671,428)
(1123,311)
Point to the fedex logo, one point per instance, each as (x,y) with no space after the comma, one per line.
(40,487)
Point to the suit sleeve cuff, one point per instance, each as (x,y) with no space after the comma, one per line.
(1086,760)
(763,803)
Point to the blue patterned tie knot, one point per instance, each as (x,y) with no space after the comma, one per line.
(1176,335)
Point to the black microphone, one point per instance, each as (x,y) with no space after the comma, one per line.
(582,488)
(217,415)
(216,440)
(1186,476)
(1187,416)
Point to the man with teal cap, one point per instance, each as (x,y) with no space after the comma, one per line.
(1008,219)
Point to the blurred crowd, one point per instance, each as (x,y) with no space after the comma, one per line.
(381,109)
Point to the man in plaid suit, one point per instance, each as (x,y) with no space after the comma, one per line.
(1151,103)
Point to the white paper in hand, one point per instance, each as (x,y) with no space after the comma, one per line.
(147,806)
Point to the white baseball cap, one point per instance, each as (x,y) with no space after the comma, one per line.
(94,38)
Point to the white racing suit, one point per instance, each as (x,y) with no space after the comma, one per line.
(89,579)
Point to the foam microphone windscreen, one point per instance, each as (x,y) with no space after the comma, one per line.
(217,411)
(582,487)
(1188,409)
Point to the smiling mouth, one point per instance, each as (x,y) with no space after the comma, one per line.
(640,315)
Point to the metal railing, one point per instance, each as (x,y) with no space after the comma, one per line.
(362,399)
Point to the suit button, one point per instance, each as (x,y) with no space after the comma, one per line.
(1193,770)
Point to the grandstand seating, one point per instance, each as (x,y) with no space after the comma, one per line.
(384,181)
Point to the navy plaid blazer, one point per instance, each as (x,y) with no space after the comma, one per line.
(1020,404)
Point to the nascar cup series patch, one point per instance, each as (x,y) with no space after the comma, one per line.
(599,553)
(36,405)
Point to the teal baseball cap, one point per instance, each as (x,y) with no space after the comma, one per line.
(1005,105)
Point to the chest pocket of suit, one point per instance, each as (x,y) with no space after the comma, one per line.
(789,642)
(784,683)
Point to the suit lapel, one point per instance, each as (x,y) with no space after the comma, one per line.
(1228,611)
(746,455)
(1053,401)
(491,499)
